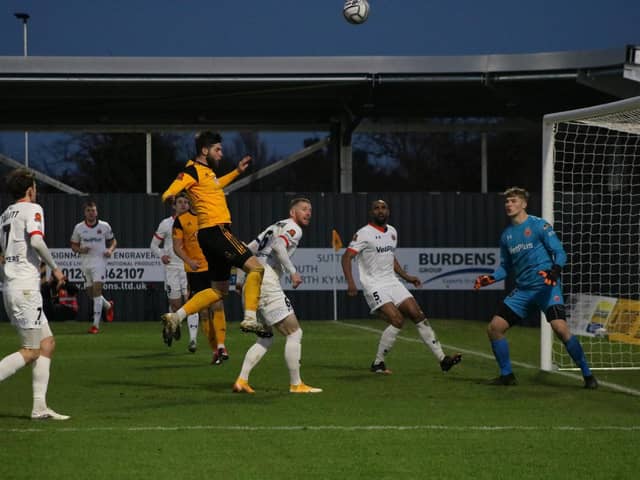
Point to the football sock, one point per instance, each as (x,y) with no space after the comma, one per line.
(192,321)
(254,355)
(577,354)
(220,327)
(199,301)
(250,314)
(252,288)
(97,311)
(429,338)
(210,333)
(387,339)
(11,364)
(40,382)
(105,303)
(292,354)
(501,352)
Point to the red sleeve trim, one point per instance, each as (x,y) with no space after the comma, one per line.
(355,252)
(36,232)
(158,236)
(285,240)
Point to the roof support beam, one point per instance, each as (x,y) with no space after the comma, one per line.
(274,167)
(41,176)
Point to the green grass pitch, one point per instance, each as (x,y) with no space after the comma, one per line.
(141,410)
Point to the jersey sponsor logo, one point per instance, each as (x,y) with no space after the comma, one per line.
(388,248)
(520,247)
(38,217)
(92,240)
(527,232)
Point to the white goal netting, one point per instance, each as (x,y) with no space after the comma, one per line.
(592,193)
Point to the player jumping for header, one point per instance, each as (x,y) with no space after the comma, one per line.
(220,247)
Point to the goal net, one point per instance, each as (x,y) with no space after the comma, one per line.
(591,194)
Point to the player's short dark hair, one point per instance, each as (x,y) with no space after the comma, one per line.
(19,181)
(89,203)
(206,139)
(298,200)
(516,192)
(182,194)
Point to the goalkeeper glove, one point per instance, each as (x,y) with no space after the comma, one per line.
(551,276)
(483,281)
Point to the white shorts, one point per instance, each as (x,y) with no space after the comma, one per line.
(274,305)
(31,337)
(94,273)
(24,308)
(394,292)
(175,283)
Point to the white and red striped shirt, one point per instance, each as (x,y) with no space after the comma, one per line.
(262,246)
(95,237)
(18,224)
(164,235)
(375,249)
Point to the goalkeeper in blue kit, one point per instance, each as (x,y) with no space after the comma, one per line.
(531,250)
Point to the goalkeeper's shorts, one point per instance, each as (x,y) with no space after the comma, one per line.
(523,302)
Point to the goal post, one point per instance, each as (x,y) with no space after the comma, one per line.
(591,194)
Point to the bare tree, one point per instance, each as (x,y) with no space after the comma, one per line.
(114,162)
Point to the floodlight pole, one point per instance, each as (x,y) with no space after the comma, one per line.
(484,161)
(24,17)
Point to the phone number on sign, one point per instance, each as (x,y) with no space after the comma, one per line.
(115,274)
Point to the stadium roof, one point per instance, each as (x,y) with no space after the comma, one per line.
(298,93)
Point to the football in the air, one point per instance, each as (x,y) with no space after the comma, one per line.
(356,11)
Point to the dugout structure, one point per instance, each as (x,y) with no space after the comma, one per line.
(591,194)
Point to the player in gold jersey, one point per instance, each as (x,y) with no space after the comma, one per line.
(220,247)
(185,245)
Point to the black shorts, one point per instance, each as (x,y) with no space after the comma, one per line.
(222,251)
(508,314)
(198,281)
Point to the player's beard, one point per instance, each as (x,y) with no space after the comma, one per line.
(380,221)
(211,161)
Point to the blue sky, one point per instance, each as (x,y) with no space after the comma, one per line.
(309,28)
(315,27)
